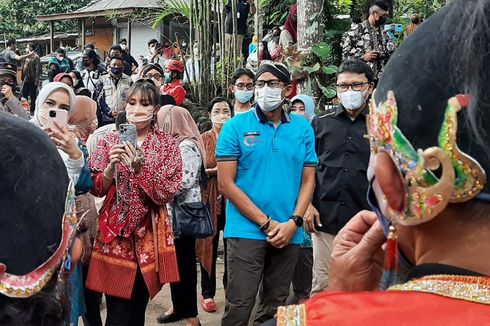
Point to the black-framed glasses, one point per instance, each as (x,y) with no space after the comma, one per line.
(242,86)
(154,76)
(275,83)
(354,86)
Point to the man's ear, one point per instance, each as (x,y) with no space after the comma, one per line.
(288,90)
(390,181)
(231,88)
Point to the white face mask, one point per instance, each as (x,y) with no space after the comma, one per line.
(220,119)
(268,99)
(75,81)
(352,100)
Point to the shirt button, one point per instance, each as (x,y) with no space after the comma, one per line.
(346,170)
(349,138)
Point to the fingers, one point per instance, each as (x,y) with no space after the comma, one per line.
(372,240)
(361,222)
(317,219)
(60,127)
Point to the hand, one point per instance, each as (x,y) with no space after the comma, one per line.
(7,92)
(280,236)
(114,113)
(312,218)
(131,157)
(65,141)
(370,56)
(272,226)
(357,252)
(115,154)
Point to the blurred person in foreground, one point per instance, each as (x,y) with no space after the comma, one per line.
(36,198)
(428,188)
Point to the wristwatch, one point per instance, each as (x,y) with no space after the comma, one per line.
(298,220)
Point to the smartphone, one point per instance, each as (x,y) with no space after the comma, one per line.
(127,133)
(60,116)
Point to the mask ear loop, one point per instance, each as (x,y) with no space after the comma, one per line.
(390,269)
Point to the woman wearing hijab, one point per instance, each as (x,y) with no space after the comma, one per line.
(178,123)
(58,95)
(304,106)
(289,33)
(65,78)
(134,254)
(83,122)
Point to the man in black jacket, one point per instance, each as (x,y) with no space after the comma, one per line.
(343,154)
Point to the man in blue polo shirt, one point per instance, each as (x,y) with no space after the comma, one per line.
(266,169)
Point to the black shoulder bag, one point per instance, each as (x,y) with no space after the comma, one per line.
(192,219)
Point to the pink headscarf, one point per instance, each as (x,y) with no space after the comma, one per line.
(178,123)
(83,117)
(62,75)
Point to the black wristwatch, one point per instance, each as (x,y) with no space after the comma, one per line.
(298,220)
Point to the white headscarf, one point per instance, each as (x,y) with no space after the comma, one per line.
(47,90)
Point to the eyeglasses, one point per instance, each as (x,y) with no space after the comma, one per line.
(242,86)
(275,83)
(154,76)
(354,86)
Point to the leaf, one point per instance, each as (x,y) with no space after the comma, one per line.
(329,70)
(313,69)
(312,29)
(328,91)
(322,50)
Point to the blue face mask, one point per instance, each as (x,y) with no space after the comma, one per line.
(372,201)
(243,96)
(116,71)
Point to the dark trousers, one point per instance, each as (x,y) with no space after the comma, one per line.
(123,312)
(184,293)
(30,90)
(208,282)
(249,263)
(92,303)
(303,274)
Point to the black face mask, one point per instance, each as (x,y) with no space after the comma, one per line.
(295,19)
(381,21)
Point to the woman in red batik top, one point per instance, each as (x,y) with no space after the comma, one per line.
(134,253)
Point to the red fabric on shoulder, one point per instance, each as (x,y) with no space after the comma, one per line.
(393,308)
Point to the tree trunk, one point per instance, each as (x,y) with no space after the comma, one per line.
(309,12)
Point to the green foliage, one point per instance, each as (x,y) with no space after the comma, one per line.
(17,17)
(171,8)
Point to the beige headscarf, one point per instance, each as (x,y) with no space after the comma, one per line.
(84,117)
(178,123)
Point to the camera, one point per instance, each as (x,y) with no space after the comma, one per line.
(52,114)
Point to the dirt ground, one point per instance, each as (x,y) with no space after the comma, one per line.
(162,302)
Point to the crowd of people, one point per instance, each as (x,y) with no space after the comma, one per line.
(320,210)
